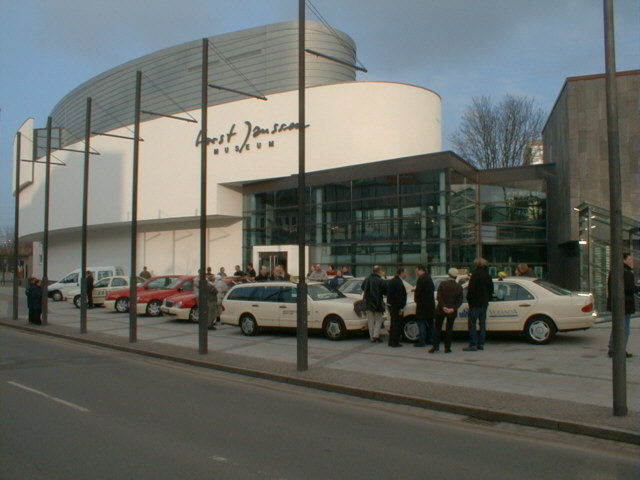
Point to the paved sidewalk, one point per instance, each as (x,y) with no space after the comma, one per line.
(565,385)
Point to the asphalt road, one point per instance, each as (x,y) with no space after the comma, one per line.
(72,411)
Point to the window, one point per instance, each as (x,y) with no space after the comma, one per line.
(72,278)
(271,294)
(246,293)
(509,292)
(104,274)
(117,282)
(289,295)
(322,292)
(553,288)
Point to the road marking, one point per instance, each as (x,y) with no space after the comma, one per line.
(55,399)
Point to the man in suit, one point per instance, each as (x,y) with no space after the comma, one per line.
(424,296)
(396,301)
(449,299)
(373,289)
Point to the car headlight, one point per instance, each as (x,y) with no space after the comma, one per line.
(178,305)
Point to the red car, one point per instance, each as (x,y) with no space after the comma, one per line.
(184,305)
(151,294)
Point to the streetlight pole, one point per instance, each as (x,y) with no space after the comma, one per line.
(301,331)
(615,195)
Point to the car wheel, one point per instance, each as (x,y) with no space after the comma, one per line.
(153,308)
(56,296)
(193,314)
(77,301)
(540,329)
(248,325)
(334,328)
(122,305)
(411,331)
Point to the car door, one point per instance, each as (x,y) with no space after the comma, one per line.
(267,309)
(510,307)
(69,283)
(103,287)
(288,306)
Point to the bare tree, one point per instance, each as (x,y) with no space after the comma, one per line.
(497,135)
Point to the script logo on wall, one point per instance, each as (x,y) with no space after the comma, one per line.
(250,136)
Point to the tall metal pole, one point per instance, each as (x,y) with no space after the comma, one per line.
(203,337)
(301,331)
(85,207)
(615,194)
(45,239)
(133,286)
(16,227)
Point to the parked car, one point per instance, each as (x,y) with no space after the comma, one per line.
(102,288)
(150,294)
(532,306)
(253,306)
(61,289)
(184,305)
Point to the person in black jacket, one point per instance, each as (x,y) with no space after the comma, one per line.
(630,291)
(34,300)
(479,294)
(424,296)
(373,289)
(89,289)
(449,297)
(396,301)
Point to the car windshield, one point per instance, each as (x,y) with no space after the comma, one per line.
(168,283)
(322,292)
(351,286)
(552,288)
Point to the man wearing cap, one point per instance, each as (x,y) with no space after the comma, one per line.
(449,298)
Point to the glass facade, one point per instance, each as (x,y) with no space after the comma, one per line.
(439,218)
(595,248)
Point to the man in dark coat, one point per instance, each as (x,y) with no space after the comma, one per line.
(396,301)
(630,291)
(373,289)
(34,301)
(479,294)
(424,296)
(89,289)
(263,276)
(449,298)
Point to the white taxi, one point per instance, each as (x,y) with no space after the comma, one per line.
(253,306)
(102,288)
(532,306)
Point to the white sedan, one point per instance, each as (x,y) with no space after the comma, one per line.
(532,306)
(253,306)
(102,288)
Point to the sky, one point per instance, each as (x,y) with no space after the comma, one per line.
(458,48)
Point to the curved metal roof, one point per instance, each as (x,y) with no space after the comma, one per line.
(261,61)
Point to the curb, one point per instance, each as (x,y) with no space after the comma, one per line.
(479,413)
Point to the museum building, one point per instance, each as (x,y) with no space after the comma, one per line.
(380,190)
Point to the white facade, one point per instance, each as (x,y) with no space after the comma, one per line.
(250,140)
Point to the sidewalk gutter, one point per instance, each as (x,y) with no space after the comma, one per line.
(306,379)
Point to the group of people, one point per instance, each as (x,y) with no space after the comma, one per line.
(433,307)
(334,278)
